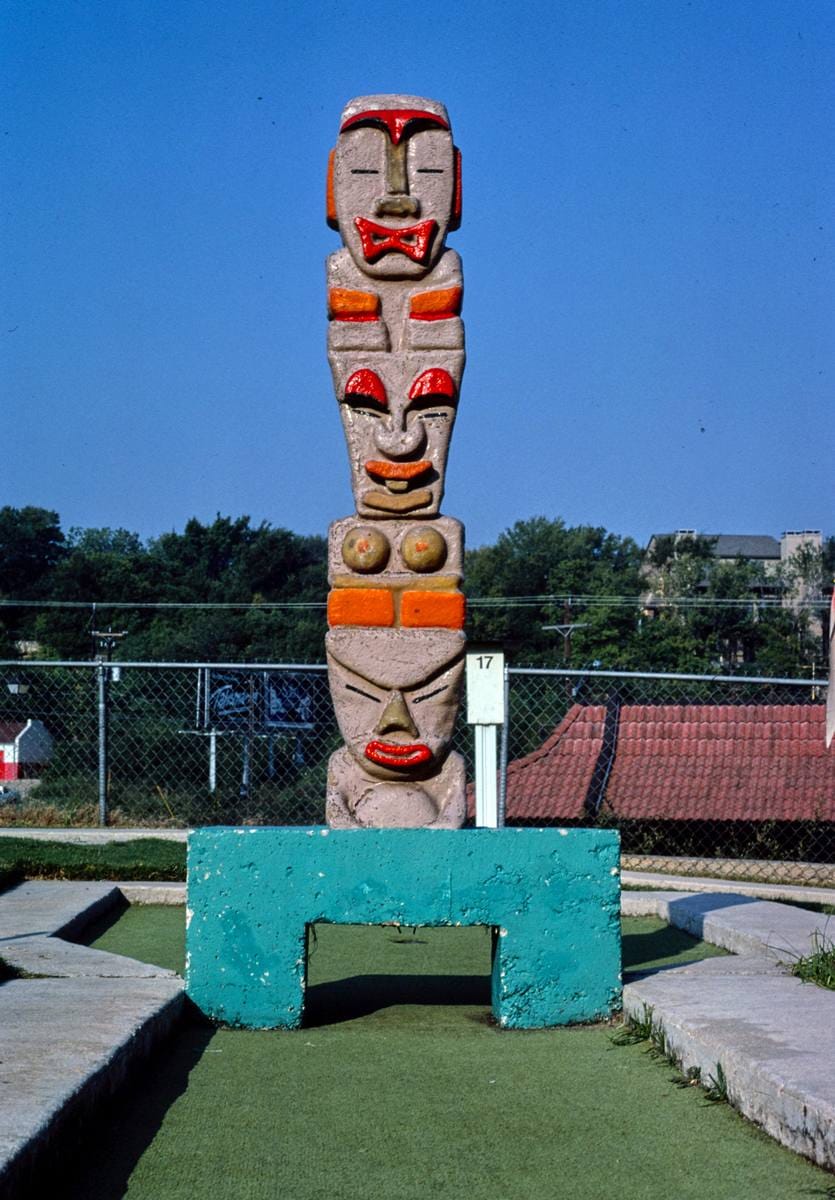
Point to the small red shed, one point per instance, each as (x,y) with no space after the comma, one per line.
(25,749)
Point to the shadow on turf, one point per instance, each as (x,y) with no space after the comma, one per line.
(643,951)
(99,926)
(361,995)
(94,1159)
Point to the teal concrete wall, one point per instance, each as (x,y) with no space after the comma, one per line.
(553,895)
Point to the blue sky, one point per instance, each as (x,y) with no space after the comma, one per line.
(647,248)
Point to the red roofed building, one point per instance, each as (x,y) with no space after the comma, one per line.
(552,782)
(678,762)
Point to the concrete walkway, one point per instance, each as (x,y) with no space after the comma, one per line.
(744,1017)
(74,1026)
(69,1035)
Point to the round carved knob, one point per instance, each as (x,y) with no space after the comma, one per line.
(424,549)
(366,550)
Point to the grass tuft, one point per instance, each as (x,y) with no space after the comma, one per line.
(645,1028)
(716,1089)
(819,966)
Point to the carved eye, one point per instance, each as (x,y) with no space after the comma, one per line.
(365,389)
(433,386)
(434,382)
(349,687)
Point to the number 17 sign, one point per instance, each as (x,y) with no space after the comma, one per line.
(485,687)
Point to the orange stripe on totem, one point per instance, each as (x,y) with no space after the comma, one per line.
(344,304)
(432,610)
(436,306)
(330,200)
(360,606)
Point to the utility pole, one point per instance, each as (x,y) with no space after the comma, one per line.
(104,642)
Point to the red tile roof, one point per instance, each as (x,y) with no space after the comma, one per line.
(683,762)
(551,782)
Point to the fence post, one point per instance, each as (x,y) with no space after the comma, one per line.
(101,680)
(503,749)
(485,672)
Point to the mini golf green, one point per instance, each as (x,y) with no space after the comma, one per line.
(402,1089)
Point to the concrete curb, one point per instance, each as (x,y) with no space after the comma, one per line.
(141,892)
(786,872)
(741,924)
(70,1035)
(798,893)
(770,1034)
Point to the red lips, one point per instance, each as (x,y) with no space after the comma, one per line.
(393,754)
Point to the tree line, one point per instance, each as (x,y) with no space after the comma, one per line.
(550,593)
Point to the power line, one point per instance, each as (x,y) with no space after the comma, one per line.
(505,602)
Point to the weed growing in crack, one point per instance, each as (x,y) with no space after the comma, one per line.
(716,1089)
(646,1029)
(692,1077)
(634,1030)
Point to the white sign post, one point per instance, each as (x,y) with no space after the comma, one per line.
(485,711)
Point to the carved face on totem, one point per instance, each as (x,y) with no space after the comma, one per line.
(398,417)
(393,184)
(396,693)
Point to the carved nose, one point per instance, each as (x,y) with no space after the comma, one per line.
(396,202)
(395,717)
(399,443)
(397,206)
(397,175)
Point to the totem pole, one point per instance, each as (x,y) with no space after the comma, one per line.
(395,645)
(395,651)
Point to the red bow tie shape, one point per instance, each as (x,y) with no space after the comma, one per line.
(378,240)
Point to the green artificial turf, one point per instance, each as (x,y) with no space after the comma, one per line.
(402,1089)
(152,933)
(155,933)
(144,858)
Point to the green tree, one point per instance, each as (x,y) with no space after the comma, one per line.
(100,565)
(543,558)
(232,562)
(31,545)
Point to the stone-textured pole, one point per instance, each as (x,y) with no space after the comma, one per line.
(395,645)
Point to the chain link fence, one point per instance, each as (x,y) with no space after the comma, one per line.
(171,745)
(707,771)
(704,770)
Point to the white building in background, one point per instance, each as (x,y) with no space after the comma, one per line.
(755,547)
(789,564)
(25,749)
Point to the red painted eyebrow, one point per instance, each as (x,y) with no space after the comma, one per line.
(394,120)
(434,382)
(369,385)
